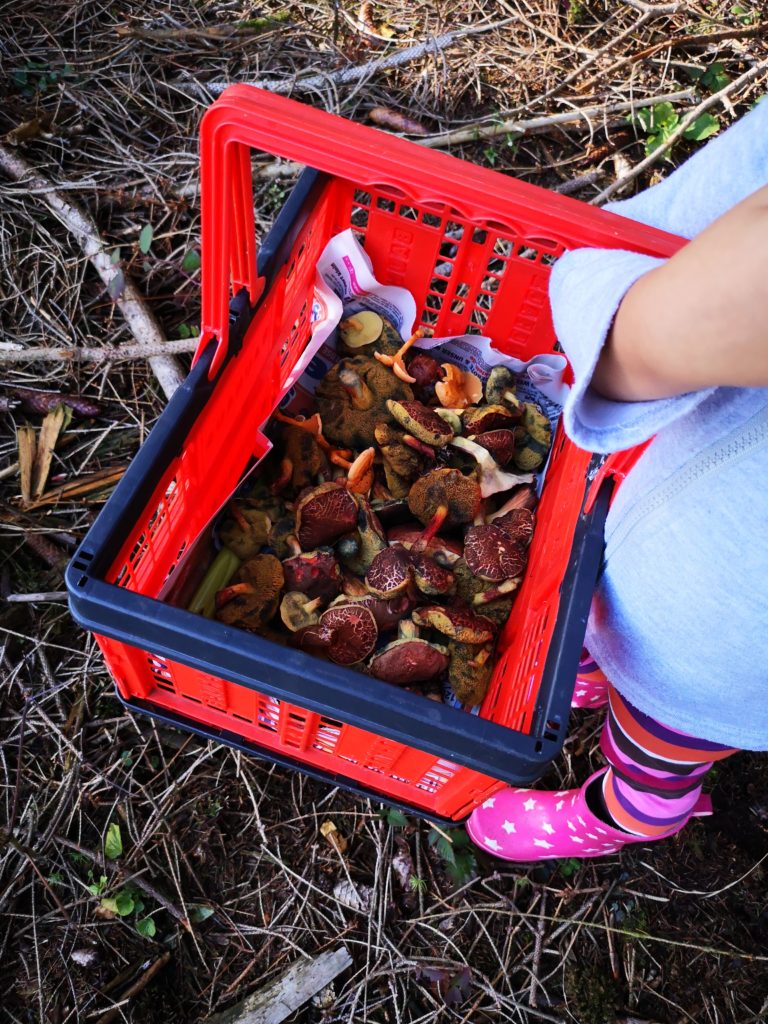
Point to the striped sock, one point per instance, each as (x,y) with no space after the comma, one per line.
(655,772)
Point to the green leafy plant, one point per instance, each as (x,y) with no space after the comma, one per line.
(97,887)
(417,884)
(191,261)
(36,76)
(394,818)
(113,842)
(455,849)
(569,866)
(145,239)
(745,15)
(658,122)
(199,912)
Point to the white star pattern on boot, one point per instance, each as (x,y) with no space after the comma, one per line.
(546,827)
(542,843)
(559,805)
(492,844)
(529,804)
(581,693)
(490,801)
(576,839)
(509,827)
(562,792)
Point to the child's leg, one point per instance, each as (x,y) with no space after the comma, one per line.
(655,773)
(591,690)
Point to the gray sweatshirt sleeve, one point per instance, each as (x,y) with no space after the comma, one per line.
(587,285)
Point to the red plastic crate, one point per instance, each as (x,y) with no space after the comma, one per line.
(475,249)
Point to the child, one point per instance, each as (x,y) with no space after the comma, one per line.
(678,349)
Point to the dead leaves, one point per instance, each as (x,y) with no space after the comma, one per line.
(329,831)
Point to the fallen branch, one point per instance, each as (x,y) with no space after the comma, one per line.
(343,75)
(44,595)
(141,983)
(489,131)
(677,134)
(98,354)
(292,989)
(142,323)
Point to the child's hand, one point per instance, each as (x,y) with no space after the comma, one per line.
(699,321)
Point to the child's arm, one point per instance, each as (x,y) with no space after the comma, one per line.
(650,339)
(698,321)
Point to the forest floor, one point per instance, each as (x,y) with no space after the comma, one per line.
(125,844)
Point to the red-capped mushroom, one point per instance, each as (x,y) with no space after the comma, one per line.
(431,579)
(421,422)
(408,661)
(444,551)
(491,554)
(388,614)
(346,633)
(324,514)
(480,418)
(500,443)
(390,573)
(517,523)
(426,372)
(314,573)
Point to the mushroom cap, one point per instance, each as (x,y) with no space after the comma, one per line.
(426,372)
(408,661)
(500,443)
(388,614)
(500,379)
(314,573)
(492,554)
(447,487)
(468,586)
(353,632)
(469,672)
(245,542)
(263,576)
(517,523)
(282,537)
(479,419)
(445,552)
(324,514)
(422,422)
(457,623)
(390,573)
(369,536)
(431,579)
(536,438)
(361,329)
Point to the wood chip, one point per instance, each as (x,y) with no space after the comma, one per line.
(27,443)
(52,426)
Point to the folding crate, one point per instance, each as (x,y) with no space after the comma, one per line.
(475,249)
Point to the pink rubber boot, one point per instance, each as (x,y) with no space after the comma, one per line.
(591,689)
(525,825)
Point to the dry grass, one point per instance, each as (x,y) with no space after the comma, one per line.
(675,932)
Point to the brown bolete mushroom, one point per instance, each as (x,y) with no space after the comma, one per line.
(388,614)
(298,610)
(314,573)
(346,633)
(253,597)
(390,573)
(517,523)
(536,439)
(245,531)
(492,554)
(444,551)
(421,422)
(431,579)
(500,443)
(282,537)
(324,514)
(444,496)
(469,671)
(500,389)
(470,587)
(477,419)
(407,661)
(305,455)
(402,462)
(456,623)
(352,399)
(369,538)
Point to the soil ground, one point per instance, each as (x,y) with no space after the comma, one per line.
(223,854)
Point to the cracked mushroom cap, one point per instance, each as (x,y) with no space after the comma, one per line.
(456,623)
(252,598)
(445,552)
(388,614)
(517,523)
(431,579)
(447,488)
(481,418)
(469,671)
(500,443)
(422,422)
(314,573)
(324,514)
(346,633)
(407,661)
(390,573)
(492,554)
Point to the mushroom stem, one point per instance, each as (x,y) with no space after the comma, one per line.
(396,361)
(430,529)
(353,322)
(419,446)
(360,472)
(492,478)
(494,593)
(313,426)
(361,396)
(286,475)
(230,593)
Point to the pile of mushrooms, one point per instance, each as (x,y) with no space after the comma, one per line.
(390,529)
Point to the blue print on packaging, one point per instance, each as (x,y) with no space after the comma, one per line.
(317,368)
